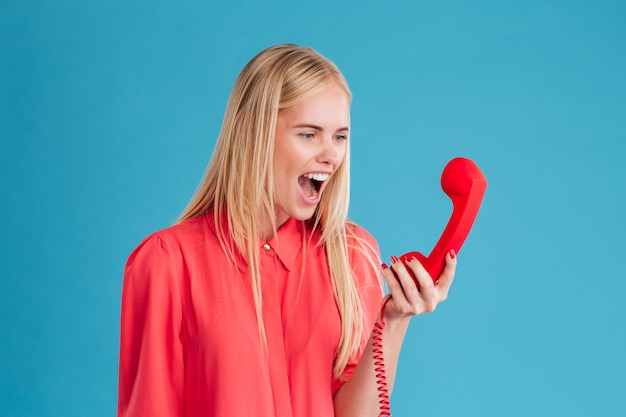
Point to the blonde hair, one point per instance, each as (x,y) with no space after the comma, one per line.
(239,182)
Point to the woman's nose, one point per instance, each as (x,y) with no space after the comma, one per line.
(331,152)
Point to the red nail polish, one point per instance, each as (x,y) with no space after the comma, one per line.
(385,267)
(394,259)
(452,253)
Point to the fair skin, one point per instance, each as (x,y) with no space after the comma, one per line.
(310,145)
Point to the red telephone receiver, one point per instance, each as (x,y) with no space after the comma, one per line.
(465,184)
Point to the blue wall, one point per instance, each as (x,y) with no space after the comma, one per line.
(108,116)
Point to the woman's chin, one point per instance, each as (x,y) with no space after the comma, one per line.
(303,213)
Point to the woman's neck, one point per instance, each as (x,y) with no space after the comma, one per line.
(266,228)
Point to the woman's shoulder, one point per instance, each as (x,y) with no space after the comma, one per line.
(357,233)
(364,255)
(176,239)
(187,230)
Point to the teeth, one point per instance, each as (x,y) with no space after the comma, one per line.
(317,177)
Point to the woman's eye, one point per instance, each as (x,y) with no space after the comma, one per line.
(339,138)
(307,135)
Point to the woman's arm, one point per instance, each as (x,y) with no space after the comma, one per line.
(151,367)
(359,395)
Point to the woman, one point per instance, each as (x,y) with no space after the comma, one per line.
(262,299)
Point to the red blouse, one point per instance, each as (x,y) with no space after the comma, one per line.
(189,336)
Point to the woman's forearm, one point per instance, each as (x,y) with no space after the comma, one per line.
(359,396)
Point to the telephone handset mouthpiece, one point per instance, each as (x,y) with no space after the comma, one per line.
(465,184)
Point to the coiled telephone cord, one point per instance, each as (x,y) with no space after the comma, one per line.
(379,364)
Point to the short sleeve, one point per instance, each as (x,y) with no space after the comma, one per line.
(151,366)
(366,266)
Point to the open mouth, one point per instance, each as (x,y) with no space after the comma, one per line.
(312,183)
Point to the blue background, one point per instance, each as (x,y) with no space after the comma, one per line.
(108,116)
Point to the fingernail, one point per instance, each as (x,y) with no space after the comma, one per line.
(394,259)
(385,266)
(412,258)
(452,254)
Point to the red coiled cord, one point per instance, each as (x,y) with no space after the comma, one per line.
(379,364)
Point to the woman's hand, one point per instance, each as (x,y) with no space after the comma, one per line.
(411,297)
(361,394)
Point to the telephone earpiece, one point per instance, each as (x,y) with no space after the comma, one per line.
(465,184)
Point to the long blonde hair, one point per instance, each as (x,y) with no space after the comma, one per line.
(239,181)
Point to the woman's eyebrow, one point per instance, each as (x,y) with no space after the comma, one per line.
(315,127)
